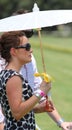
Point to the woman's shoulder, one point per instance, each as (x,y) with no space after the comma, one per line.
(5,75)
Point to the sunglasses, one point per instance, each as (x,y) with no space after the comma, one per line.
(27,46)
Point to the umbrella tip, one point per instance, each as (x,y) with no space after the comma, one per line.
(35,8)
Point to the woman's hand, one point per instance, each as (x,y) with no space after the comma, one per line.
(41,107)
(45,86)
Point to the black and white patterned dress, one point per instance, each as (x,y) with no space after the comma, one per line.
(27,122)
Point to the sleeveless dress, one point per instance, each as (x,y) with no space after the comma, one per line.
(27,122)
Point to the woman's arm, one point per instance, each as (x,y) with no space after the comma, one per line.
(19,107)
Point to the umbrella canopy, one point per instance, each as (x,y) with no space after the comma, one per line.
(37,19)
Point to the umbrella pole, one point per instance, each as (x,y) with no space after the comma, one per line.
(42,55)
(48,98)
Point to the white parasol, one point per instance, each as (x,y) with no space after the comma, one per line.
(36,19)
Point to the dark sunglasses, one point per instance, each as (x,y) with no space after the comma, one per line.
(27,46)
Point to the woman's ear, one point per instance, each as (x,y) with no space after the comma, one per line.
(13,51)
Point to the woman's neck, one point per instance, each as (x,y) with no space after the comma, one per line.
(13,66)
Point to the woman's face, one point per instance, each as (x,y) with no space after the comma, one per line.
(24,50)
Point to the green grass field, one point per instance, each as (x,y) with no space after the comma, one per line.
(58,61)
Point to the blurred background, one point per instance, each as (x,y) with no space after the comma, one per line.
(57,47)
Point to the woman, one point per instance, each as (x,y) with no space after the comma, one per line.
(16,96)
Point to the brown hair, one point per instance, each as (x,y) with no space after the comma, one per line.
(7,41)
